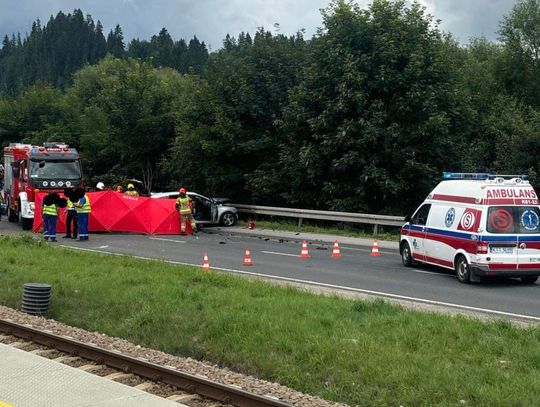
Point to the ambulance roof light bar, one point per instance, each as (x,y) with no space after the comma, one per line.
(479,176)
(523,177)
(466,175)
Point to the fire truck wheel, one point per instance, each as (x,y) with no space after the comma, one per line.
(12,215)
(27,223)
(463,270)
(406,255)
(529,279)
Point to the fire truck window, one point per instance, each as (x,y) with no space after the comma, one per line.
(421,215)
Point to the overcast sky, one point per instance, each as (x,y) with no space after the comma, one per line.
(211,20)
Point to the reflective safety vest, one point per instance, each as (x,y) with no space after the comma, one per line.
(183,203)
(70,205)
(132,192)
(50,210)
(85,206)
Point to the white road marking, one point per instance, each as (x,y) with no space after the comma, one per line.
(167,240)
(355,248)
(338,287)
(434,273)
(103,247)
(280,254)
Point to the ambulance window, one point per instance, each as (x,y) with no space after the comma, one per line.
(421,215)
(513,219)
(529,219)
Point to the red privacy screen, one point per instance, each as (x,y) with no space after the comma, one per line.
(116,212)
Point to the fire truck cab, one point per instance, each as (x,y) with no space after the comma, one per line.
(479,225)
(29,169)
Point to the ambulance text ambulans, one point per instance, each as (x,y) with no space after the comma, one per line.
(479,225)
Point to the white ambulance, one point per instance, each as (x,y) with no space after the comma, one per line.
(479,225)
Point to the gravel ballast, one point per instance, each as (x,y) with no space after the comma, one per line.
(188,365)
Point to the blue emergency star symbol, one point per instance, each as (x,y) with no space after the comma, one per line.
(450,216)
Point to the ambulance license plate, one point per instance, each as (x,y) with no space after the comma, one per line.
(501,250)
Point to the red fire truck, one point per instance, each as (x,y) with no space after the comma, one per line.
(29,169)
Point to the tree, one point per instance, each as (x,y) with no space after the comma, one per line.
(250,84)
(39,114)
(368,121)
(115,42)
(126,116)
(520,33)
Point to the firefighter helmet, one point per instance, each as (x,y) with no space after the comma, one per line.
(130,186)
(100,186)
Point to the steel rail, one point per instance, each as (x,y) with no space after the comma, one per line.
(347,217)
(142,367)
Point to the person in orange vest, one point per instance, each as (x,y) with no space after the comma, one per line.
(185,206)
(131,190)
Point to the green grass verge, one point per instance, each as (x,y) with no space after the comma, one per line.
(341,230)
(361,353)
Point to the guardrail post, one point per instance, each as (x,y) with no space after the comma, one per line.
(375,231)
(300,222)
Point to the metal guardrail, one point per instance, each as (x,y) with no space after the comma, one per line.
(347,217)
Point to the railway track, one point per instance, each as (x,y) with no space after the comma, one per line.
(194,390)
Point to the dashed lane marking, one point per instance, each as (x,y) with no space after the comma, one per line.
(167,240)
(280,254)
(338,287)
(433,273)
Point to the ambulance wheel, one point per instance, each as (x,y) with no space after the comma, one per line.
(529,279)
(406,255)
(463,270)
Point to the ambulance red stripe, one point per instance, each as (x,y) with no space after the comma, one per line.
(454,198)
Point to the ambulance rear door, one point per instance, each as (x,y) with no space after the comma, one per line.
(528,228)
(502,238)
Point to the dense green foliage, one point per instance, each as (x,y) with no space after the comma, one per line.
(363,353)
(364,116)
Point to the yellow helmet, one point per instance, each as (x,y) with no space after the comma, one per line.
(130,186)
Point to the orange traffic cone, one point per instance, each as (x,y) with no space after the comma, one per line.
(375,249)
(206,263)
(335,250)
(247,258)
(304,254)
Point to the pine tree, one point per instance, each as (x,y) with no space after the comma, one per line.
(115,42)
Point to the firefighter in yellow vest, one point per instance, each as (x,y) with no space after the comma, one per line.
(185,206)
(49,213)
(83,208)
(131,190)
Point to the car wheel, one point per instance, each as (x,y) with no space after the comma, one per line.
(406,255)
(529,279)
(228,219)
(463,270)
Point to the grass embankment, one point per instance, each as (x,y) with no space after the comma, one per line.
(392,234)
(364,353)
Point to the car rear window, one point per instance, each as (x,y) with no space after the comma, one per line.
(513,219)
